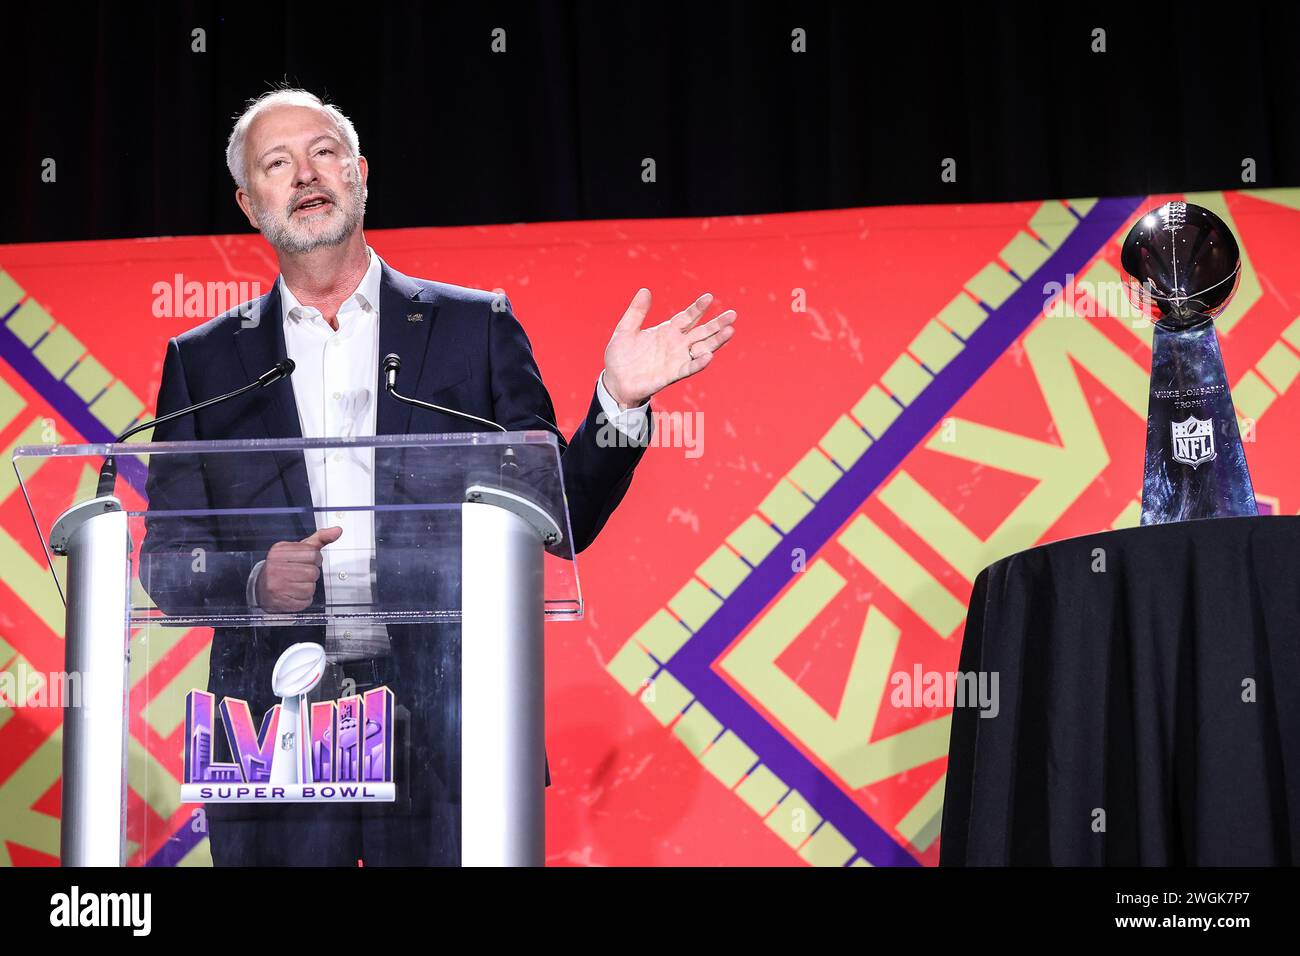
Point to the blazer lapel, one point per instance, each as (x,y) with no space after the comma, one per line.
(405,329)
(260,344)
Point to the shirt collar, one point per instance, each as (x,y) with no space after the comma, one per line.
(366,292)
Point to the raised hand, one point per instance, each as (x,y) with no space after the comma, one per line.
(287,582)
(640,362)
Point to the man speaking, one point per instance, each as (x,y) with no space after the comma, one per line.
(335,309)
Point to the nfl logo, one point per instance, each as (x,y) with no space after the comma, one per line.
(1193,440)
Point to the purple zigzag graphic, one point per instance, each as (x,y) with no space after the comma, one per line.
(62,398)
(692,662)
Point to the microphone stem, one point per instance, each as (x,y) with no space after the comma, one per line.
(108,470)
(417,403)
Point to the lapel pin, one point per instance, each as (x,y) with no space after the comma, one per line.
(415,317)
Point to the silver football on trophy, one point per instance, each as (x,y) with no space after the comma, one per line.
(1183,265)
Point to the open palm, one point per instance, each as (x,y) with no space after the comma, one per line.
(640,362)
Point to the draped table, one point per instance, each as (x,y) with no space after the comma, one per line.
(1148,706)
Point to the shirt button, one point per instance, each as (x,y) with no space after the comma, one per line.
(347,633)
(343,575)
(337,396)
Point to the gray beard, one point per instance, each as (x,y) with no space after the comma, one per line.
(279,232)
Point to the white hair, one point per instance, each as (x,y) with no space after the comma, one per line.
(235,160)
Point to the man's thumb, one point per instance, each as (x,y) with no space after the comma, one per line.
(323,537)
(636,312)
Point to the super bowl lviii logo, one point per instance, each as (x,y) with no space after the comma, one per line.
(333,751)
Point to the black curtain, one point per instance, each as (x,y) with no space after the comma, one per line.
(558,126)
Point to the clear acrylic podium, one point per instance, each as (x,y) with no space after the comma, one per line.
(187,703)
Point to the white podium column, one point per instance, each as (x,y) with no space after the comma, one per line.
(503,775)
(94,537)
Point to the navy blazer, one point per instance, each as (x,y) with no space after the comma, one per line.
(457,351)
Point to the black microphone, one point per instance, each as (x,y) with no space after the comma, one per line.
(108,471)
(272,375)
(393,364)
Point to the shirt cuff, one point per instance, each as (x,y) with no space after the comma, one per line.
(630,421)
(250,592)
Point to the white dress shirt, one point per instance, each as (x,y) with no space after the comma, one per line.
(334,388)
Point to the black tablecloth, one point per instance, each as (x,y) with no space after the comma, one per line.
(1158,698)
